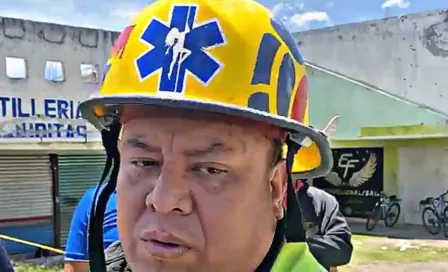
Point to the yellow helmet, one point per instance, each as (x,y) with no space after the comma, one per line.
(226,56)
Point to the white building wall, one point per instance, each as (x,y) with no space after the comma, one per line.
(422,173)
(34,100)
(405,56)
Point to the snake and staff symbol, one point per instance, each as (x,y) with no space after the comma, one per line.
(175,40)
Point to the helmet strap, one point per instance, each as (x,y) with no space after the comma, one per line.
(294,231)
(101,197)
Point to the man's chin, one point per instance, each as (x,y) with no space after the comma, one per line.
(157,265)
(166,259)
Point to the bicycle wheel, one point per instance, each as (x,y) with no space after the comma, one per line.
(392,215)
(373,218)
(432,225)
(445,223)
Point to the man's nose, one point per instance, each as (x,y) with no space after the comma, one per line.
(171,193)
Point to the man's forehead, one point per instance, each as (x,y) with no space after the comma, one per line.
(192,149)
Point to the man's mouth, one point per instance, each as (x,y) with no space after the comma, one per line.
(163,246)
(164,250)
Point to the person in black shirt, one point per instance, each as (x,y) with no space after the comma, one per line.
(328,234)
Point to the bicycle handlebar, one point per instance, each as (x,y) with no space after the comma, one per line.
(444,194)
(440,197)
(391,198)
(427,201)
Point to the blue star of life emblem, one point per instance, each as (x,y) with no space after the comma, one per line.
(180,48)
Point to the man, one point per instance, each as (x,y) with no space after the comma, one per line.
(328,234)
(76,256)
(199,167)
(5,264)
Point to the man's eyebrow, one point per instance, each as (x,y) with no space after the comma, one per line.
(136,142)
(214,148)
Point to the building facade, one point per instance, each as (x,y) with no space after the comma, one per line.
(385,78)
(48,154)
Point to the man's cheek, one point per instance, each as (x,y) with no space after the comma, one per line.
(127,176)
(127,216)
(130,203)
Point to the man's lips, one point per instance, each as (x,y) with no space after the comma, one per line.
(164,245)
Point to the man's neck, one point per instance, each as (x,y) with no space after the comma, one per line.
(274,250)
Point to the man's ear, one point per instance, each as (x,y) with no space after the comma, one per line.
(277,184)
(119,145)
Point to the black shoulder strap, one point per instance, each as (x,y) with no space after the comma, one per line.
(294,231)
(96,219)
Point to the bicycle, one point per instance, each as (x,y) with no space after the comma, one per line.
(387,209)
(436,209)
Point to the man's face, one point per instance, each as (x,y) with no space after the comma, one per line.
(195,194)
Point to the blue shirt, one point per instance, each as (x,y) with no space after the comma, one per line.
(77,241)
(5,264)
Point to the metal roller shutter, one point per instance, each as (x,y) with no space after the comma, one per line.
(26,184)
(26,201)
(76,174)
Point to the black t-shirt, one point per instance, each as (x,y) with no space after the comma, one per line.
(328,236)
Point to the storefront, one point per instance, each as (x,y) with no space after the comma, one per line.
(411,167)
(356,179)
(76,173)
(26,199)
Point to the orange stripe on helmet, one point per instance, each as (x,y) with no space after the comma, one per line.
(120,44)
(299,105)
(306,116)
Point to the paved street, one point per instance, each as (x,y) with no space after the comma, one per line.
(399,231)
(408,267)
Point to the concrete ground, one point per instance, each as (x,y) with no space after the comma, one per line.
(358,226)
(405,232)
(409,267)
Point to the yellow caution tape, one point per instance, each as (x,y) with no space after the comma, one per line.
(56,250)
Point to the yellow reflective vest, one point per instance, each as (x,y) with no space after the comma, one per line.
(296,257)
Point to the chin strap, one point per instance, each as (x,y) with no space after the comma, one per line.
(290,227)
(294,231)
(101,197)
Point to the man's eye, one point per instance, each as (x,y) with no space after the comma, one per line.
(145,163)
(209,170)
